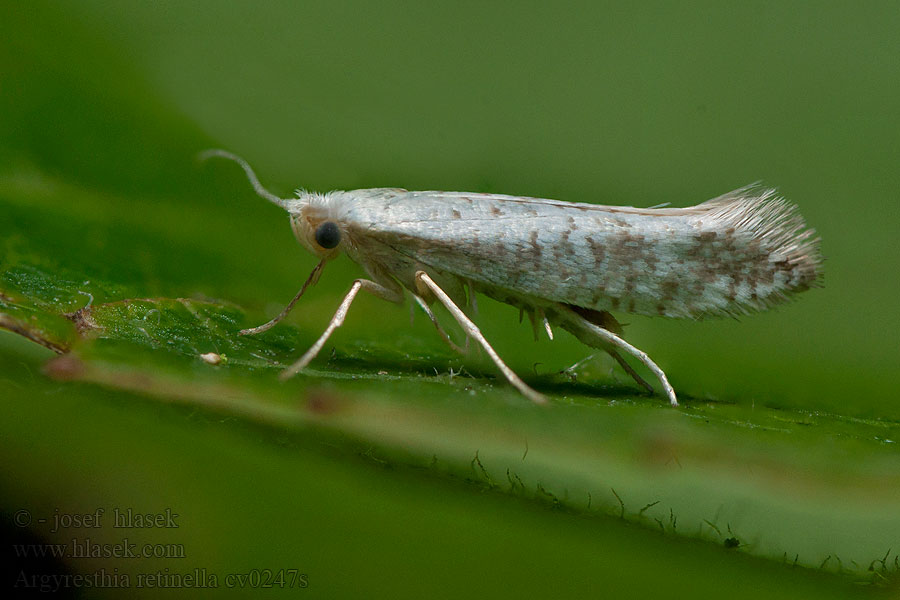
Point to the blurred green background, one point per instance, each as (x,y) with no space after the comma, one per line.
(103,106)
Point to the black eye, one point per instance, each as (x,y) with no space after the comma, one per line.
(328,235)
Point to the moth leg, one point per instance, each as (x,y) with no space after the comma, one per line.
(312,279)
(338,319)
(546,324)
(437,325)
(582,328)
(472,330)
(627,368)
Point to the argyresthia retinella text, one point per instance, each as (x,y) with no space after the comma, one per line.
(564,263)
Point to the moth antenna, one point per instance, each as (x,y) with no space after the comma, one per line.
(261,191)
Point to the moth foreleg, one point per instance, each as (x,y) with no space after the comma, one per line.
(437,325)
(312,279)
(472,330)
(338,319)
(582,328)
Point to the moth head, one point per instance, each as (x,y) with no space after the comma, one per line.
(313,227)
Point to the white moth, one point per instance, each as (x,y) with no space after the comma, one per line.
(560,262)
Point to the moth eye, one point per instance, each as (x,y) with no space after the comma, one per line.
(328,235)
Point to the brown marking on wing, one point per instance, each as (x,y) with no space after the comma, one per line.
(564,247)
(597,250)
(535,249)
(650,259)
(669,289)
(628,248)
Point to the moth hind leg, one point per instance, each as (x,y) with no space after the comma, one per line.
(601,330)
(628,369)
(605,320)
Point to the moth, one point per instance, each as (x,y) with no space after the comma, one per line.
(562,263)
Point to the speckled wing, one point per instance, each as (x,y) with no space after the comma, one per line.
(741,252)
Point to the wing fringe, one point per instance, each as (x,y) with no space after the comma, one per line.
(769,217)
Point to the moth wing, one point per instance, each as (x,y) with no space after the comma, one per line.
(713,258)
